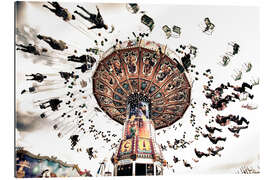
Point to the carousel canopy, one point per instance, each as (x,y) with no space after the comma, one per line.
(146,71)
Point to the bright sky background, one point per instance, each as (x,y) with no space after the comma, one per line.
(238,24)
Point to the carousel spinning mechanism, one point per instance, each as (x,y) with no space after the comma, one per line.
(139,86)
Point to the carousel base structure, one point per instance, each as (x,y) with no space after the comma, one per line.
(139,167)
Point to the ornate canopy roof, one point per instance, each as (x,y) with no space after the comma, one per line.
(141,68)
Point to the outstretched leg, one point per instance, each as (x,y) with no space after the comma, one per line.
(250,96)
(243,120)
(97,9)
(92,27)
(206,28)
(30,79)
(218,129)
(74,60)
(21,45)
(98,14)
(52,10)
(24,50)
(90,14)
(76,12)
(244,85)
(245,127)
(221,139)
(78,67)
(44,106)
(55,4)
(30,75)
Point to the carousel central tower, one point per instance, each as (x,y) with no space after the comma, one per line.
(143,86)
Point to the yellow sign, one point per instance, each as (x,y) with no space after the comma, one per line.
(126,146)
(144,146)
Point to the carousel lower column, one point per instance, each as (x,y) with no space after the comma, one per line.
(154,168)
(133,168)
(115,170)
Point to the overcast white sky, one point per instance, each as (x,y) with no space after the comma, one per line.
(238,24)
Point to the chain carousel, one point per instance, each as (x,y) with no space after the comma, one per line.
(143,86)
